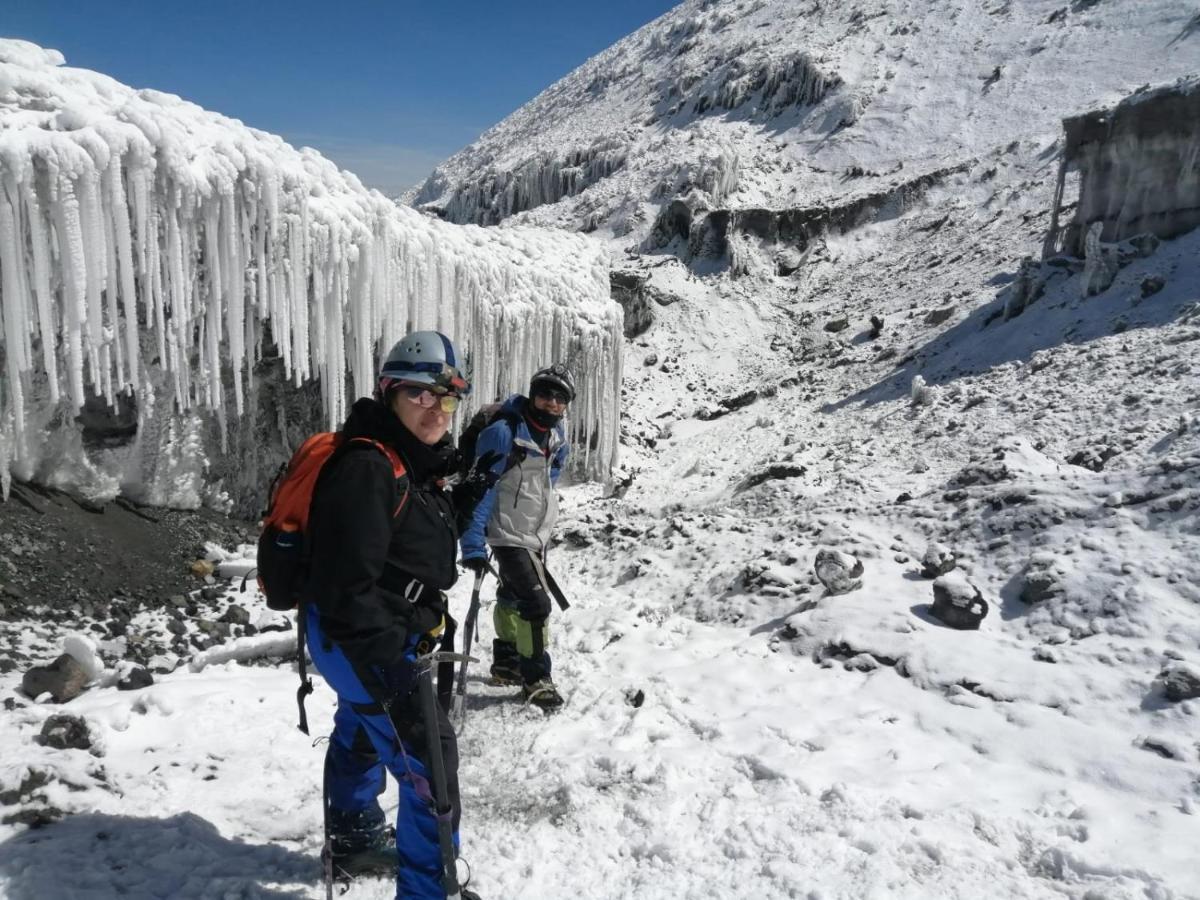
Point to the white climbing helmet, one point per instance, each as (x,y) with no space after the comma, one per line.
(424,357)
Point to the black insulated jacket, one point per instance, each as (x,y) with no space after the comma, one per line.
(375,577)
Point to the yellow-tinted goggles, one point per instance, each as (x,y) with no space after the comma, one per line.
(427,399)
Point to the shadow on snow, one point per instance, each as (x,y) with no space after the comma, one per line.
(183,856)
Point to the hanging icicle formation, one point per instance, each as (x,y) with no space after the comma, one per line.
(147,245)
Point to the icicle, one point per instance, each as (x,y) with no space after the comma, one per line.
(39,239)
(74,277)
(12,320)
(113,357)
(124,262)
(146,221)
(94,259)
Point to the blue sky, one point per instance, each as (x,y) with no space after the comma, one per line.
(385,89)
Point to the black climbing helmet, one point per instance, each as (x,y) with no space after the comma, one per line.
(556,377)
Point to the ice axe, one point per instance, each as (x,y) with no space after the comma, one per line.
(459,708)
(437,763)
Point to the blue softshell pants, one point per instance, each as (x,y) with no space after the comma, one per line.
(363,745)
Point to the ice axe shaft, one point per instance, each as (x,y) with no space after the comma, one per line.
(459,709)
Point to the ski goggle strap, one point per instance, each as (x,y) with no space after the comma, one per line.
(444,375)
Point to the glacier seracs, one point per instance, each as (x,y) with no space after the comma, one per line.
(152,248)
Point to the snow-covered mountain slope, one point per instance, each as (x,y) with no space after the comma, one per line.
(775,103)
(155,250)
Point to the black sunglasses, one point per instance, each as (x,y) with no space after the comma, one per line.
(553,394)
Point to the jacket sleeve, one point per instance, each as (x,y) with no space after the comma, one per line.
(559,462)
(351,528)
(496,439)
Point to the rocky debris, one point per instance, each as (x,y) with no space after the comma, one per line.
(1043,579)
(1151,285)
(938,316)
(1027,288)
(1093,457)
(633,293)
(137,678)
(876,327)
(727,405)
(235,615)
(1180,682)
(772,472)
(957,602)
(635,698)
(937,560)
(64,679)
(841,323)
(839,572)
(740,401)
(1101,263)
(651,359)
(32,781)
(74,564)
(65,732)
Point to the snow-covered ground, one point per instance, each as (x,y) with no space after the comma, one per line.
(732,731)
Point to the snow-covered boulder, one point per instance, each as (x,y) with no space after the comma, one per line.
(1044,578)
(938,560)
(839,572)
(957,602)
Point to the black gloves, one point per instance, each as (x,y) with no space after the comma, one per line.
(468,492)
(428,614)
(475,564)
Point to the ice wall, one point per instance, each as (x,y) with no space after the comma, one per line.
(153,249)
(1133,168)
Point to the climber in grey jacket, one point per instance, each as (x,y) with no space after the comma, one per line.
(524,451)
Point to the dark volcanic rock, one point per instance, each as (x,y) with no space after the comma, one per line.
(235,615)
(64,679)
(1181,682)
(64,732)
(137,679)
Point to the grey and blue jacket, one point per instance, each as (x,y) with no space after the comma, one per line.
(521,507)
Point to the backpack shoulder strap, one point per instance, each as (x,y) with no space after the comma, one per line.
(399,471)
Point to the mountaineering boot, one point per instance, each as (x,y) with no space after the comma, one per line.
(379,861)
(543,694)
(506,663)
(469,895)
(362,845)
(503,676)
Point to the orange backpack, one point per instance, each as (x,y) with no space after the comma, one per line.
(283,545)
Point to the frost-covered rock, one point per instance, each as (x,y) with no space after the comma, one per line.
(937,560)
(1043,579)
(65,732)
(839,572)
(1093,457)
(1101,263)
(922,394)
(1181,681)
(957,602)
